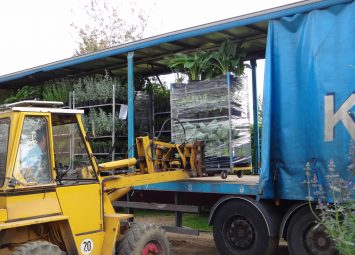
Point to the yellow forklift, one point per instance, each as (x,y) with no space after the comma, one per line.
(56,199)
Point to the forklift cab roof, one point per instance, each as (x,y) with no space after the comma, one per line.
(38,106)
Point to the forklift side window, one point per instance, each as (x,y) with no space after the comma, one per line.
(4,139)
(71,156)
(32,160)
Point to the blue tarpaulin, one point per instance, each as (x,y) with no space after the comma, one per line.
(309,98)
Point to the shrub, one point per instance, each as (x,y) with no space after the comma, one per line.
(337,217)
(57,90)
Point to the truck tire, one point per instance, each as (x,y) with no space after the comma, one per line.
(38,248)
(239,228)
(304,238)
(144,239)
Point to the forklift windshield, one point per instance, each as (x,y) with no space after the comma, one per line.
(72,160)
(32,164)
(4,139)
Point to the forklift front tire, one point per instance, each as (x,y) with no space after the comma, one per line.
(144,239)
(38,248)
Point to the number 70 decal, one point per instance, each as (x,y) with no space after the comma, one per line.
(87,246)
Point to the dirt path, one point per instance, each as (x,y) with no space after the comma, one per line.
(203,245)
(192,245)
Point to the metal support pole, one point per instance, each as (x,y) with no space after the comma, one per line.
(72,144)
(178,215)
(255,117)
(151,113)
(230,122)
(130,198)
(113,120)
(130,98)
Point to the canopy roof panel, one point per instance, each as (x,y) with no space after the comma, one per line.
(150,53)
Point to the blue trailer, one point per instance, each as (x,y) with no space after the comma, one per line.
(308,116)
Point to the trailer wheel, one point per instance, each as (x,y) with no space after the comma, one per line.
(305,238)
(38,248)
(224,174)
(239,229)
(144,239)
(240,174)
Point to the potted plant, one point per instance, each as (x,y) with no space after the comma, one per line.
(229,58)
(192,64)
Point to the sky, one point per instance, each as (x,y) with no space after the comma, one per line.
(38,32)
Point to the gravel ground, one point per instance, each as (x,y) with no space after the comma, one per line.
(192,245)
(203,245)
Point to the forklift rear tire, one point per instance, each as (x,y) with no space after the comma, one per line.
(144,239)
(38,248)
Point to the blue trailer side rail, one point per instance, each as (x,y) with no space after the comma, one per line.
(247,185)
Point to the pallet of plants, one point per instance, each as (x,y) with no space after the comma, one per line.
(141,113)
(213,110)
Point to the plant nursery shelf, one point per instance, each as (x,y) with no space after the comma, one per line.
(96,153)
(161,113)
(109,136)
(94,106)
(202,119)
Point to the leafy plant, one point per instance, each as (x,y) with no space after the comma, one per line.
(121,91)
(4,94)
(201,64)
(96,89)
(161,96)
(57,90)
(337,217)
(229,58)
(25,93)
(192,64)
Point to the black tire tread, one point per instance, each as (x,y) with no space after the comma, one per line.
(137,236)
(265,245)
(299,220)
(38,248)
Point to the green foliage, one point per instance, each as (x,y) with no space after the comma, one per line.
(121,92)
(337,217)
(196,221)
(25,93)
(52,90)
(260,110)
(161,96)
(57,90)
(97,89)
(193,221)
(229,58)
(201,64)
(194,64)
(4,94)
(101,146)
(100,123)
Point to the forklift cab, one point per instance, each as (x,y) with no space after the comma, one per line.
(44,147)
(47,170)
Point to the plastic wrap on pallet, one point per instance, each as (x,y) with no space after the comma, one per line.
(203,109)
(141,113)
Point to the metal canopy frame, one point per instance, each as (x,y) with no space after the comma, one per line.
(251,29)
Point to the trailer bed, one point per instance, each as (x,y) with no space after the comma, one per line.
(247,185)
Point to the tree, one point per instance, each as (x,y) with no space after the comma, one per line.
(106,25)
